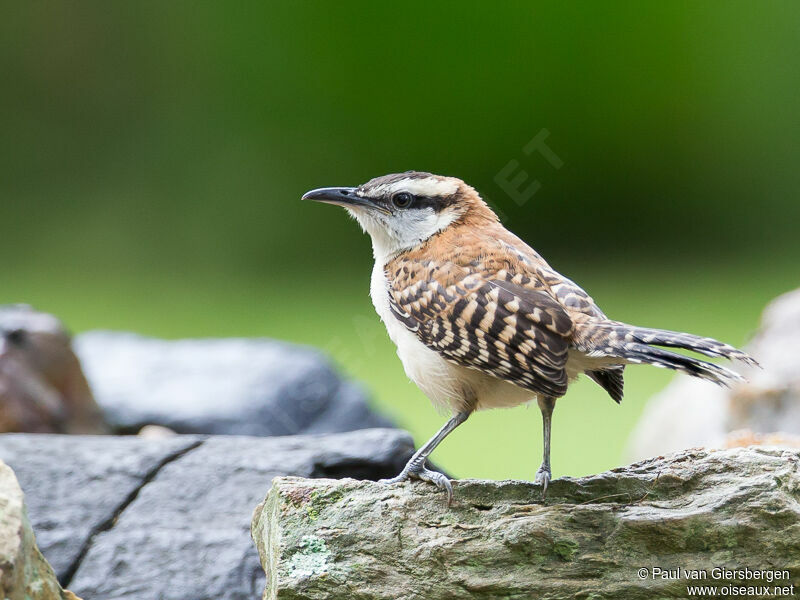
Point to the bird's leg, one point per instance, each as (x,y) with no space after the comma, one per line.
(546,405)
(415,467)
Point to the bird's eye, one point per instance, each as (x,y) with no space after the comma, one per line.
(15,337)
(402,199)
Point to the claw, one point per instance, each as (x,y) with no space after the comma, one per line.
(440,481)
(543,477)
(415,470)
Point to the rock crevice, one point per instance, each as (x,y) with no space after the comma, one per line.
(132,518)
(109,522)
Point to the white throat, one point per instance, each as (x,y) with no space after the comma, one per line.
(404,230)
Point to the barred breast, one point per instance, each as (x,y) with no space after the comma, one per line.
(451,387)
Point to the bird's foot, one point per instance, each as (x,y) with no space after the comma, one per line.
(417,470)
(543,477)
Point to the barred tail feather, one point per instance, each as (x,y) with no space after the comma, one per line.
(637,345)
(675,339)
(634,352)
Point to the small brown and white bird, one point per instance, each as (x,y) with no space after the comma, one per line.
(480,320)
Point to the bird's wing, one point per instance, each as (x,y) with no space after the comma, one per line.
(504,323)
(569,294)
(581,307)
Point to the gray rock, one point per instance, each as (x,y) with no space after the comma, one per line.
(770,401)
(255,387)
(358,540)
(24,573)
(691,412)
(687,413)
(180,517)
(77,485)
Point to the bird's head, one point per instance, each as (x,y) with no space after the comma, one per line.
(402,210)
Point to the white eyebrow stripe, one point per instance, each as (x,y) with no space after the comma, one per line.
(428,186)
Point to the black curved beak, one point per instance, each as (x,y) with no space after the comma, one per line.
(341,196)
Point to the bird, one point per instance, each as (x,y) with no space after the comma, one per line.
(482,321)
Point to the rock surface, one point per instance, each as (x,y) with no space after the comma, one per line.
(770,400)
(358,540)
(691,412)
(220,386)
(76,486)
(24,573)
(127,518)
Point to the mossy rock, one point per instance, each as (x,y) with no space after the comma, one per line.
(699,509)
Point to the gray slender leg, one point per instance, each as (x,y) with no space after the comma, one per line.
(546,405)
(415,467)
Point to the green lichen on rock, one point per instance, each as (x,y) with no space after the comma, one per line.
(311,558)
(566,549)
(320,500)
(696,509)
(312,501)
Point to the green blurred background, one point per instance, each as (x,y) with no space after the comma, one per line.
(153,155)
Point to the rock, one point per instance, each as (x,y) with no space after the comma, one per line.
(358,540)
(42,386)
(77,486)
(745,437)
(770,400)
(220,386)
(131,518)
(156,432)
(24,573)
(690,412)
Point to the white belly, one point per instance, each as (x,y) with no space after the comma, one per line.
(449,386)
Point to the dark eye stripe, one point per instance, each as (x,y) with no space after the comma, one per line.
(437,203)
